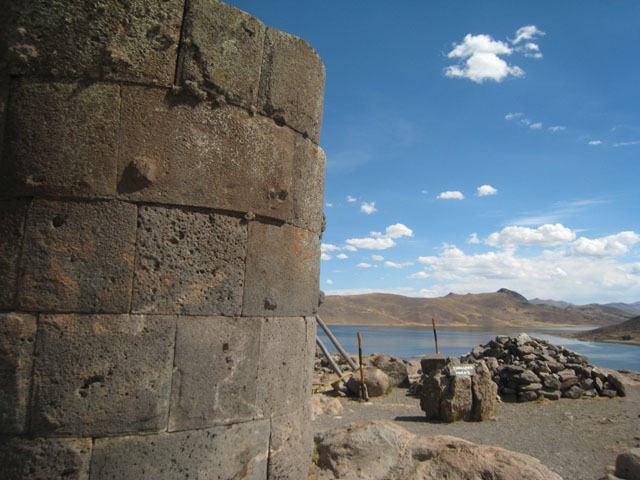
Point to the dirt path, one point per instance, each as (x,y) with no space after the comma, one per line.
(578,439)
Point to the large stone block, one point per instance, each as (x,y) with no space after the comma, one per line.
(282,368)
(4,98)
(77,257)
(308,185)
(283,267)
(221,51)
(291,446)
(189,261)
(310,349)
(41,458)
(215,371)
(134,41)
(102,374)
(12,215)
(61,139)
(177,150)
(235,451)
(292,83)
(457,402)
(17,340)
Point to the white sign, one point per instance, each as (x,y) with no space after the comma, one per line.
(456,370)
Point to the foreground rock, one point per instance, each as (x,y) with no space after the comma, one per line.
(628,464)
(376,380)
(324,405)
(385,451)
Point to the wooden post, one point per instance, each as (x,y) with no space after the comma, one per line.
(333,364)
(364,395)
(435,333)
(344,354)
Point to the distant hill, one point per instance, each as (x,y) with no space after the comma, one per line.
(633,308)
(553,303)
(502,308)
(625,332)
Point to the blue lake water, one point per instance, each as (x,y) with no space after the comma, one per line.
(409,342)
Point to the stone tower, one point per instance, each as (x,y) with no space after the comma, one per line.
(161,191)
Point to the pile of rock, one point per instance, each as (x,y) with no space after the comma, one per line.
(527,368)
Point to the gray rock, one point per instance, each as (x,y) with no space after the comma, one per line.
(485,394)
(393,367)
(615,380)
(528,396)
(551,382)
(574,392)
(628,464)
(551,394)
(457,402)
(526,377)
(376,380)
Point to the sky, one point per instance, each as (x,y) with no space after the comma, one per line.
(473,146)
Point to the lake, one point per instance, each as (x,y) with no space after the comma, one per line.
(410,342)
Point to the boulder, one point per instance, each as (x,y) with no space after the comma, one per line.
(325,405)
(628,464)
(394,367)
(485,394)
(376,380)
(385,451)
(457,400)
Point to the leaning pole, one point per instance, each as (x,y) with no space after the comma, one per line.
(161,191)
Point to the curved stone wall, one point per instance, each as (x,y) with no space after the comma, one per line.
(161,191)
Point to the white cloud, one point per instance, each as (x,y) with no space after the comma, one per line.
(485,190)
(398,230)
(351,199)
(372,243)
(397,265)
(557,128)
(526,33)
(350,248)
(473,239)
(342,256)
(368,208)
(424,192)
(595,142)
(513,116)
(419,275)
(451,195)
(611,246)
(545,235)
(473,44)
(329,205)
(536,125)
(364,265)
(324,256)
(377,258)
(626,144)
(327,247)
(329,282)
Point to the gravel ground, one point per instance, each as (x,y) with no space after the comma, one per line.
(578,439)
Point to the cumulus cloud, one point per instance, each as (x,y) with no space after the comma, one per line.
(350,248)
(626,144)
(557,128)
(342,256)
(485,190)
(513,116)
(532,50)
(595,142)
(527,33)
(327,247)
(329,205)
(324,256)
(364,265)
(351,199)
(398,230)
(419,275)
(451,195)
(378,241)
(545,235)
(397,265)
(536,125)
(368,208)
(377,258)
(329,282)
(424,192)
(473,239)
(611,246)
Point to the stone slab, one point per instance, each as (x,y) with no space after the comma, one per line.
(61,139)
(309,165)
(282,368)
(283,267)
(221,51)
(177,150)
(41,458)
(291,445)
(235,451)
(77,257)
(12,216)
(134,41)
(98,375)
(215,372)
(189,261)
(292,83)
(17,340)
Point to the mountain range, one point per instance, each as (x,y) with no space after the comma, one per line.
(502,308)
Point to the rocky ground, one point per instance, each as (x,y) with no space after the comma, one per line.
(578,439)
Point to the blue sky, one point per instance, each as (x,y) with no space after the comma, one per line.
(477,145)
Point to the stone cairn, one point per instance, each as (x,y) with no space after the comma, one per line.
(161,193)
(527,368)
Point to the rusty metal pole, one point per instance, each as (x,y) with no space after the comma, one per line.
(364,395)
(435,333)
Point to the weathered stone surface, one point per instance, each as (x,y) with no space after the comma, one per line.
(177,150)
(221,51)
(42,458)
(310,349)
(386,451)
(292,83)
(309,164)
(432,362)
(4,97)
(325,405)
(102,374)
(12,215)
(433,389)
(235,451)
(291,446)
(17,340)
(189,261)
(551,394)
(215,371)
(134,41)
(628,464)
(282,367)
(551,382)
(376,380)
(614,379)
(485,394)
(61,139)
(77,257)
(457,402)
(393,367)
(283,266)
